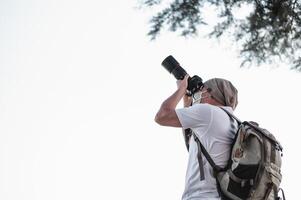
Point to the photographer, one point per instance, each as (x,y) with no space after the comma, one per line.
(210,124)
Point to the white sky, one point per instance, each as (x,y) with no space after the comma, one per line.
(80,84)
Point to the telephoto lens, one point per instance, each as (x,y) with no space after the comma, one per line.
(173,67)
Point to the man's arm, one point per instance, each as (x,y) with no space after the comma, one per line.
(167,116)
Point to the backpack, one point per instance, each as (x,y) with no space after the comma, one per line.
(253,171)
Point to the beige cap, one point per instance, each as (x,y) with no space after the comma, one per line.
(222,91)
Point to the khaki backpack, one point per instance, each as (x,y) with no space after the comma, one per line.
(253,171)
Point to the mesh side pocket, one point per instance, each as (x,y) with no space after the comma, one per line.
(245,171)
(238,189)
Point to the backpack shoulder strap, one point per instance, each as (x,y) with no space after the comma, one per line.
(251,124)
(202,150)
(231,115)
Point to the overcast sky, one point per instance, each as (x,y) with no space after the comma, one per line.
(80,84)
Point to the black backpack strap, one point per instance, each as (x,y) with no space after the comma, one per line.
(202,150)
(187,135)
(200,159)
(231,115)
(252,124)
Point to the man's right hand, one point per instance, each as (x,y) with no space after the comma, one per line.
(182,84)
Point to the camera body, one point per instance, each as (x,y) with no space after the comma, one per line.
(173,67)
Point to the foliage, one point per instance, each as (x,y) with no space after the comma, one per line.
(269,33)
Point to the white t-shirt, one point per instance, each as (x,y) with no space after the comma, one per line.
(216,131)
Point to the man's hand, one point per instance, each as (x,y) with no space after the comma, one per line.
(182,84)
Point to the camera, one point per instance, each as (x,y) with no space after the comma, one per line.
(173,67)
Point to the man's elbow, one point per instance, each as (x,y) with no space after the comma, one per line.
(159,119)
(167,117)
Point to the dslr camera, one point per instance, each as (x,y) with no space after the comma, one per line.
(173,67)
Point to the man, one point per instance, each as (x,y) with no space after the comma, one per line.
(213,127)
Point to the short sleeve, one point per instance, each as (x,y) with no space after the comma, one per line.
(197,115)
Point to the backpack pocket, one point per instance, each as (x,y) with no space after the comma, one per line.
(237,187)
